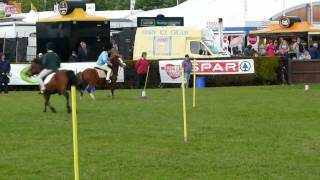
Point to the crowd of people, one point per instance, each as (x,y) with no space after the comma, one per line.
(297,49)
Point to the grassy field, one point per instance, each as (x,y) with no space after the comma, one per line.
(266,132)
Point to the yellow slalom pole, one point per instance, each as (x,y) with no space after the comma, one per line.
(75,133)
(194,85)
(184,108)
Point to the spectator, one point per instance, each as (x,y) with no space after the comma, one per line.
(249,51)
(284,48)
(187,65)
(298,48)
(142,69)
(314,52)
(73,57)
(83,52)
(276,45)
(262,49)
(4,73)
(271,49)
(305,55)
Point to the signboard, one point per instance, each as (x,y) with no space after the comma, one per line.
(162,46)
(2,10)
(63,8)
(170,71)
(159,21)
(19,76)
(288,21)
(253,41)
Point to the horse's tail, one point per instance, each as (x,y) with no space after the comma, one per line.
(80,81)
(72,78)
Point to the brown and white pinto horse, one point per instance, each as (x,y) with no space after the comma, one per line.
(89,78)
(59,83)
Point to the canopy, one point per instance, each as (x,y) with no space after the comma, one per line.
(238,15)
(78,14)
(298,27)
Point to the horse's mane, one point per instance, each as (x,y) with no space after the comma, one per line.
(114,58)
(37,60)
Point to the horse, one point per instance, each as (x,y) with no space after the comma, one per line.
(60,82)
(89,78)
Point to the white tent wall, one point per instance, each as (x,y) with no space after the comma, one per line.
(236,14)
(14,39)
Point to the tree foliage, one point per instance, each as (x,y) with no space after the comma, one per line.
(104,4)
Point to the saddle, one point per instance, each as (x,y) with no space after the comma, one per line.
(48,77)
(101,72)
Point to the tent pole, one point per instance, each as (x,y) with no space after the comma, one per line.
(4,43)
(17,47)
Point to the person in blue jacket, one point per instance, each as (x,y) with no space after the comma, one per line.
(4,73)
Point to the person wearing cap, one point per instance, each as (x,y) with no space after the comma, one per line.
(51,63)
(187,66)
(4,72)
(103,61)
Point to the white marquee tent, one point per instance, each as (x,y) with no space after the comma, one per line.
(236,14)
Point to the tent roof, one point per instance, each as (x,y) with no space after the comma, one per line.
(298,27)
(198,13)
(78,14)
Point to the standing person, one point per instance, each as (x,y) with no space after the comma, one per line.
(271,49)
(103,62)
(284,48)
(51,62)
(187,66)
(314,52)
(83,52)
(73,57)
(142,69)
(4,72)
(298,48)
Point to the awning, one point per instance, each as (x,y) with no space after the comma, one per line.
(78,14)
(298,27)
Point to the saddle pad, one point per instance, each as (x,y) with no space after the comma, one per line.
(101,73)
(48,78)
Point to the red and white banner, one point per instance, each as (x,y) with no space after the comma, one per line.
(170,71)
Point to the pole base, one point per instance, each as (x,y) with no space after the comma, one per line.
(185,140)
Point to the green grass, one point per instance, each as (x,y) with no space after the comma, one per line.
(266,132)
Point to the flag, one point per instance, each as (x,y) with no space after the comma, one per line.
(33,7)
(132,4)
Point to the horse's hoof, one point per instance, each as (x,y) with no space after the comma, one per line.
(53,110)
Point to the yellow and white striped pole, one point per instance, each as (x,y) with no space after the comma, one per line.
(194,84)
(185,135)
(75,133)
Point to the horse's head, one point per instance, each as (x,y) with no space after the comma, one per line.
(117,61)
(35,68)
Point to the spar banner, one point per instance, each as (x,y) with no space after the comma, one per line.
(170,71)
(18,73)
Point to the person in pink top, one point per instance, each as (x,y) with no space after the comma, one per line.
(142,69)
(271,49)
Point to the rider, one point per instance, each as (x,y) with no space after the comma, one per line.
(51,62)
(103,61)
